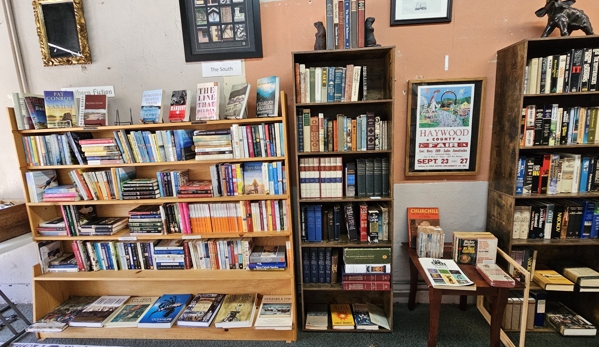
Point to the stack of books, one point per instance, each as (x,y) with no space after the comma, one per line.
(474,247)
(212,144)
(552,280)
(52,227)
(64,192)
(196,189)
(65,262)
(268,258)
(102,226)
(367,269)
(141,188)
(146,219)
(169,254)
(585,278)
(101,151)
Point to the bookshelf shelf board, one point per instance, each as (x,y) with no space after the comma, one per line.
(166,275)
(555,95)
(560,195)
(162,200)
(345,242)
(161,163)
(124,235)
(563,147)
(341,200)
(556,242)
(323,286)
(340,103)
(354,54)
(160,126)
(303,154)
(174,333)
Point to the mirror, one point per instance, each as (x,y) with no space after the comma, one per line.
(62,32)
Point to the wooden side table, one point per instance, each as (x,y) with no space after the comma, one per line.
(498,297)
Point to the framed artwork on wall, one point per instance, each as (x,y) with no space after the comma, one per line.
(221,29)
(444,123)
(420,11)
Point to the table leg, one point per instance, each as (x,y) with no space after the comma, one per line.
(463,302)
(497,309)
(434,297)
(413,286)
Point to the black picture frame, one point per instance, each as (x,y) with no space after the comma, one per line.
(444,126)
(404,12)
(221,29)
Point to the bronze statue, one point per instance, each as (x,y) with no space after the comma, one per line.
(369,40)
(567,19)
(321,37)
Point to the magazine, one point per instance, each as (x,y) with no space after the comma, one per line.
(446,274)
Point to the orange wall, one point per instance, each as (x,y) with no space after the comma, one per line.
(477,30)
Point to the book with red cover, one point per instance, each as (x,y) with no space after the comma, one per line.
(495,276)
(372,277)
(421,216)
(366,285)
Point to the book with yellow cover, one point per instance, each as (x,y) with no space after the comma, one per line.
(552,280)
(341,316)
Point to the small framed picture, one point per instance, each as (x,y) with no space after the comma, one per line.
(444,122)
(420,11)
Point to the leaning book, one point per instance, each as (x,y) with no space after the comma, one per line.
(445,274)
(58,319)
(276,312)
(165,311)
(237,311)
(236,107)
(568,322)
(99,312)
(201,310)
(267,100)
(131,312)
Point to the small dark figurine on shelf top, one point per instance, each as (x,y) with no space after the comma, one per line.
(369,40)
(567,19)
(321,37)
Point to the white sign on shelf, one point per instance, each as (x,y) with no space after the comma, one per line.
(221,68)
(80,91)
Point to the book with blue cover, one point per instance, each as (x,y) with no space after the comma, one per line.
(253,178)
(267,101)
(165,311)
(151,106)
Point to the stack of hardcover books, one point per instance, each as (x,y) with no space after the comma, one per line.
(141,188)
(65,192)
(52,227)
(212,144)
(146,219)
(101,151)
(103,226)
(367,269)
(169,254)
(268,258)
(196,189)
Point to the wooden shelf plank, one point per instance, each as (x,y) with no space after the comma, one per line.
(160,201)
(124,235)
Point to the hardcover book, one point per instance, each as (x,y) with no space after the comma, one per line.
(236,107)
(207,101)
(362,317)
(341,316)
(568,322)
(131,312)
(201,310)
(165,311)
(276,312)
(37,111)
(58,319)
(552,280)
(317,317)
(253,178)
(495,276)
(582,276)
(99,312)
(151,106)
(61,108)
(268,254)
(38,182)
(425,216)
(237,311)
(267,101)
(179,109)
(93,110)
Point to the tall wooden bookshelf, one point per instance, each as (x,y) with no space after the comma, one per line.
(50,289)
(379,101)
(510,99)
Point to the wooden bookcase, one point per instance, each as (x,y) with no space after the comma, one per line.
(50,289)
(510,98)
(380,98)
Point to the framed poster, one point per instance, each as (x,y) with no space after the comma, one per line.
(221,29)
(420,11)
(444,122)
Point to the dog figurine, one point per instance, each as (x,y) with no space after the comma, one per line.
(561,15)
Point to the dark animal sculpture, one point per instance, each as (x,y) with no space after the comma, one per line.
(321,37)
(369,40)
(567,19)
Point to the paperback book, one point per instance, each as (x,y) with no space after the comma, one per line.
(207,101)
(58,319)
(93,110)
(151,106)
(445,274)
(37,111)
(201,310)
(38,182)
(421,216)
(317,317)
(131,312)
(179,109)
(237,311)
(568,322)
(165,311)
(341,317)
(236,107)
(99,312)
(267,101)
(61,108)
(276,312)
(362,317)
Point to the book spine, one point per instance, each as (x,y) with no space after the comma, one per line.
(365,285)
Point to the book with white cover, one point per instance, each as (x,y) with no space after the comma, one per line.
(131,312)
(276,312)
(446,274)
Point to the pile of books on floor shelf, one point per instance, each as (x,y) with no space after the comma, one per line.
(186,310)
(364,268)
(167,254)
(360,316)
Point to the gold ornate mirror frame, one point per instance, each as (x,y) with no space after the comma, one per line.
(62,32)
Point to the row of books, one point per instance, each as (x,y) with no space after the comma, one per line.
(328,177)
(340,133)
(316,84)
(551,219)
(552,125)
(250,178)
(572,71)
(555,173)
(200,310)
(345,24)
(362,222)
(359,316)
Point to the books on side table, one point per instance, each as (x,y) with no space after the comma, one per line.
(446,274)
